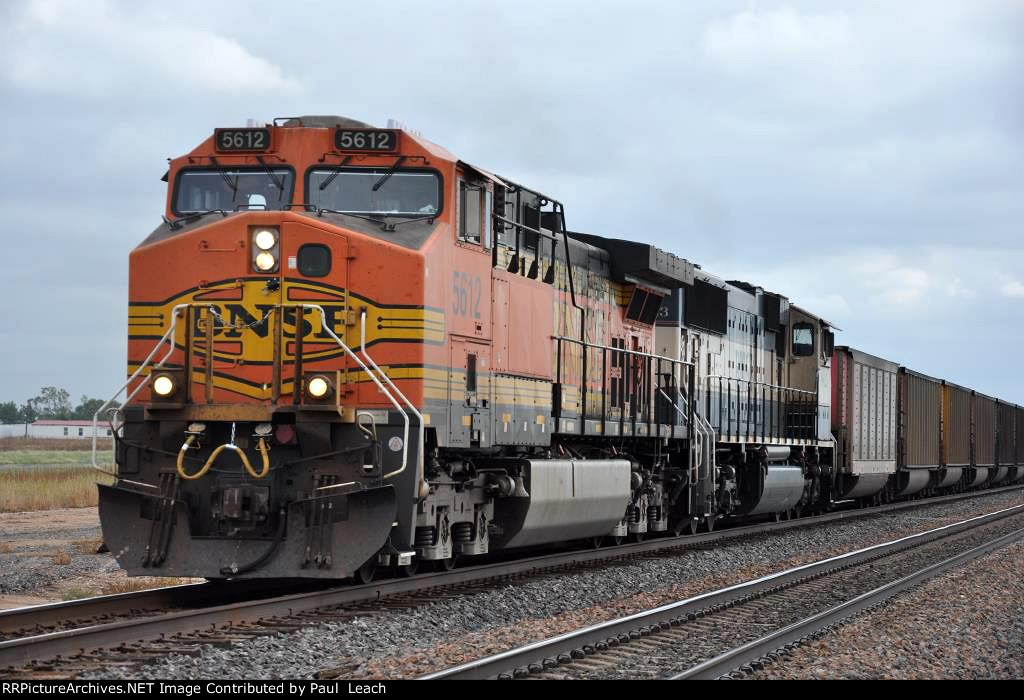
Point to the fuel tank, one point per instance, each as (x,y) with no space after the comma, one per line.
(568,499)
(782,490)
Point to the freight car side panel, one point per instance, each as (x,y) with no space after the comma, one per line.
(1019,420)
(866,415)
(956,425)
(984,430)
(920,420)
(1006,434)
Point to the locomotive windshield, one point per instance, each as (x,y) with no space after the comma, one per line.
(374,191)
(232,189)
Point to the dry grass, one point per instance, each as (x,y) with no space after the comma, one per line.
(77,593)
(87,546)
(57,444)
(46,488)
(61,558)
(141,583)
(27,457)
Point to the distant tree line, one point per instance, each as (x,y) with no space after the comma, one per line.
(50,403)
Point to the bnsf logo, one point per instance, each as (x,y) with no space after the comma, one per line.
(234,320)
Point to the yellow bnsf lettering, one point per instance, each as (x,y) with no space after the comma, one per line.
(252,329)
(234,320)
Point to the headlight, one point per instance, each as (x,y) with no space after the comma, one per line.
(163,385)
(266,262)
(318,387)
(265,238)
(266,244)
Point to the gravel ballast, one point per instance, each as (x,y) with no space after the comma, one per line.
(407,643)
(966,624)
(44,549)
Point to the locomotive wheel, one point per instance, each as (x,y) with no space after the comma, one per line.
(638,536)
(444,564)
(777,517)
(366,572)
(617,540)
(597,542)
(709,523)
(409,569)
(686,526)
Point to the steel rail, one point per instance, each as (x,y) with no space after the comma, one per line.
(802,631)
(180,595)
(195,594)
(20,651)
(545,653)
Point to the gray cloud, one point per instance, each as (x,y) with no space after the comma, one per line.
(863,158)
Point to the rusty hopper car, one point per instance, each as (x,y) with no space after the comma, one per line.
(864,421)
(920,435)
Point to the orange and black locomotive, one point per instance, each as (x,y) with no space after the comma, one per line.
(348,350)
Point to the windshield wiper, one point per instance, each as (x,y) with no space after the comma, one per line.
(224,176)
(392,226)
(270,173)
(386,176)
(336,173)
(377,218)
(191,216)
(364,217)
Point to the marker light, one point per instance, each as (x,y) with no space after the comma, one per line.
(163,385)
(318,387)
(265,262)
(265,239)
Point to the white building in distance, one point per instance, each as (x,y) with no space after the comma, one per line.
(53,428)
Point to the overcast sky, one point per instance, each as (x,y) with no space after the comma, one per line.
(865,159)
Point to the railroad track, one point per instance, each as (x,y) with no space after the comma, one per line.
(66,639)
(738,629)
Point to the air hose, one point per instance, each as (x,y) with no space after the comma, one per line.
(261,445)
(233,570)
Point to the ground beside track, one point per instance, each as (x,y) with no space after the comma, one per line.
(411,642)
(50,555)
(965,624)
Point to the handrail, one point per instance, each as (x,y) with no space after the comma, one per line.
(673,403)
(757,392)
(419,416)
(625,351)
(763,384)
(405,442)
(169,335)
(701,431)
(704,425)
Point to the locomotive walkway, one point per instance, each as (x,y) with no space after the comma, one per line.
(740,628)
(64,639)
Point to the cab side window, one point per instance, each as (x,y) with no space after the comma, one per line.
(803,339)
(475,203)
